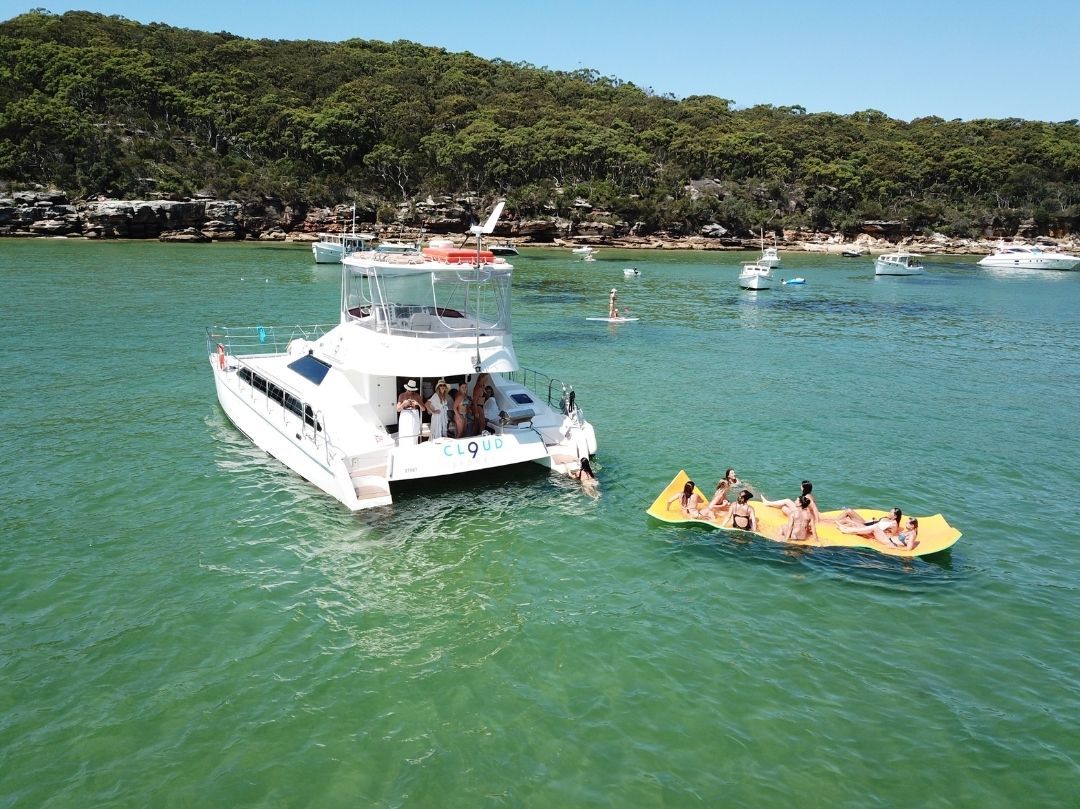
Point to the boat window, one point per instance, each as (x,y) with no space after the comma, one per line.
(311,368)
(521,398)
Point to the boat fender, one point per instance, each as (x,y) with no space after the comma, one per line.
(221,356)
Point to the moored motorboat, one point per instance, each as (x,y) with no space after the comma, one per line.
(584,250)
(504,249)
(325,400)
(769,257)
(755,276)
(397,248)
(899,263)
(1028,257)
(330,248)
(852,252)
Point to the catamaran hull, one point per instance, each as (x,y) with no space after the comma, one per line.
(284,436)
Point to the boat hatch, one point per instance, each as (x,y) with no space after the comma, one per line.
(311,368)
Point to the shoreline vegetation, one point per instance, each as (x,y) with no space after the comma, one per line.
(114,129)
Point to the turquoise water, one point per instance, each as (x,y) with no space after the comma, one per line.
(184,622)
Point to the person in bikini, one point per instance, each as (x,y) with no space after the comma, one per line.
(801,525)
(719,500)
(741,515)
(908,538)
(693,505)
(790,506)
(476,403)
(585,475)
(883,529)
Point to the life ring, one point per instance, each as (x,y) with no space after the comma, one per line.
(221,356)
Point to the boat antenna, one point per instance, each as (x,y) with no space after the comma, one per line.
(478,231)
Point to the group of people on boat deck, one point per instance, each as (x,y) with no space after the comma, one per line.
(454,411)
(802,513)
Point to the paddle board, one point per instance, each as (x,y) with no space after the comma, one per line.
(935,534)
(613,319)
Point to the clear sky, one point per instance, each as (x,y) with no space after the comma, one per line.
(910,58)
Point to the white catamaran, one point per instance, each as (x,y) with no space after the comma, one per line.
(323,400)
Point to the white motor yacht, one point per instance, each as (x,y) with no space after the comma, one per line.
(397,247)
(504,249)
(899,263)
(1028,257)
(323,400)
(755,276)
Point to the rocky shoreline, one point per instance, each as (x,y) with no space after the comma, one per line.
(29,214)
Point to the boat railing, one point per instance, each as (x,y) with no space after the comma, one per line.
(257,340)
(558,395)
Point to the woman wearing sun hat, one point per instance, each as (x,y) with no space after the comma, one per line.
(409,406)
(438,406)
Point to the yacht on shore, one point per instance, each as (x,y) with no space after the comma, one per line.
(755,276)
(1028,257)
(899,263)
(323,399)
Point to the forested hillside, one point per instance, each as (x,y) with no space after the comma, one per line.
(103,105)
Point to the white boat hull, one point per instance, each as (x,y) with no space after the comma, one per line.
(755,277)
(326,253)
(363,481)
(1012,262)
(890,268)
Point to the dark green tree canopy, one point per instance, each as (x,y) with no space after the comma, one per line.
(103,105)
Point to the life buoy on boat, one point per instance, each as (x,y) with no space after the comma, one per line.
(221,356)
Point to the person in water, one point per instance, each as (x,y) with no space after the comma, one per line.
(883,529)
(741,515)
(693,505)
(801,525)
(612,311)
(789,506)
(585,476)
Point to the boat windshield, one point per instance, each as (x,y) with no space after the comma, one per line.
(429,303)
